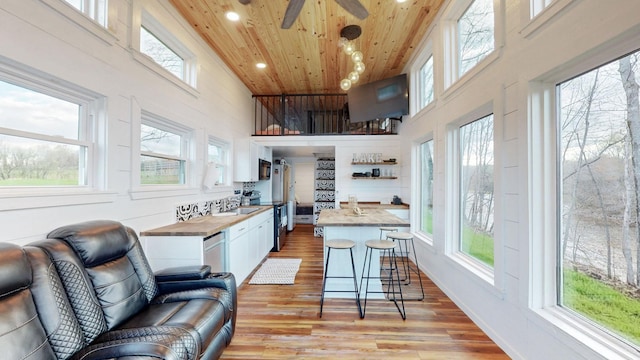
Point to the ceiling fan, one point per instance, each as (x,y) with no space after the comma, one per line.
(295,6)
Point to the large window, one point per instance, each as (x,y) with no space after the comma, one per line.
(598,179)
(426,187)
(161,53)
(476,189)
(45,136)
(163,151)
(475,34)
(425,89)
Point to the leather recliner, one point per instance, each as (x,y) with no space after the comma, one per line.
(88,292)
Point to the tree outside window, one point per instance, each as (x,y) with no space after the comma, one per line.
(162,156)
(162,54)
(475,35)
(426,187)
(476,189)
(426,83)
(42,142)
(599,197)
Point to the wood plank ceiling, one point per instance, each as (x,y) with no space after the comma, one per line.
(306,58)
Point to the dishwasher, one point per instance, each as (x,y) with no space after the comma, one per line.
(214,252)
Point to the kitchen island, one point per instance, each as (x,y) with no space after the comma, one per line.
(344,224)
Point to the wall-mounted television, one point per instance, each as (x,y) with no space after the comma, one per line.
(387,98)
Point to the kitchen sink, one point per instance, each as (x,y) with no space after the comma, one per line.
(238,211)
(246,210)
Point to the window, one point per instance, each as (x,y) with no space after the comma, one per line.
(163,150)
(45,137)
(598,177)
(163,52)
(218,153)
(475,34)
(476,190)
(94,9)
(426,187)
(426,83)
(538,5)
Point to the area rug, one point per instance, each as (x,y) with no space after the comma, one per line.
(276,271)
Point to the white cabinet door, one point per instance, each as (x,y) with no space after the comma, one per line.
(245,166)
(239,248)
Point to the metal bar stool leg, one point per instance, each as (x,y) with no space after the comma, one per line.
(387,251)
(417,269)
(340,244)
(324,280)
(355,283)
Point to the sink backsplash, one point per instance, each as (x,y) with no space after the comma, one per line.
(189,211)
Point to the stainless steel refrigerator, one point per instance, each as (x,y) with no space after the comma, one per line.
(283,190)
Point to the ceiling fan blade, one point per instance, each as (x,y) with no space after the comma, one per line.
(293,10)
(354,7)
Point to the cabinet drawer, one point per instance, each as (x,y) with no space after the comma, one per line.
(260,218)
(238,229)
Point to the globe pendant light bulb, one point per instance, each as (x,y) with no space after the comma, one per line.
(359,67)
(349,48)
(353,77)
(357,56)
(345,84)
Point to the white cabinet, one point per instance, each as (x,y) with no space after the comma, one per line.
(246,155)
(239,247)
(249,242)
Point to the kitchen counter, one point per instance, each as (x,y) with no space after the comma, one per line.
(371,217)
(203,226)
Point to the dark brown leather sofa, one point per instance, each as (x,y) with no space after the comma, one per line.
(87,292)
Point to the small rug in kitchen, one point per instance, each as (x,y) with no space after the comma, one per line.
(276,271)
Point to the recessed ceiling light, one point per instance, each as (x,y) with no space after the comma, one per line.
(401,1)
(233,16)
(261,65)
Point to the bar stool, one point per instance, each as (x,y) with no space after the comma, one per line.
(384,229)
(406,238)
(340,244)
(388,248)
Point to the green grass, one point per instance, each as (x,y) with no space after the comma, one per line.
(427,221)
(38,182)
(602,304)
(477,244)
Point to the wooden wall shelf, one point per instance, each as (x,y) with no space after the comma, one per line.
(374,177)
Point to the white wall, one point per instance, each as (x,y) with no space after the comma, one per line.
(510,307)
(33,34)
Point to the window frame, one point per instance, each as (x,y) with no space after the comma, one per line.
(143,18)
(105,32)
(453,214)
(456,9)
(151,118)
(543,215)
(226,165)
(425,236)
(93,129)
(533,20)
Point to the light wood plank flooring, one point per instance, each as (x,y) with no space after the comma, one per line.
(281,321)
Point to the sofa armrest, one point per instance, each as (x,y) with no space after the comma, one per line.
(182,273)
(222,280)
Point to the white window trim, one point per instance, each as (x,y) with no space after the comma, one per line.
(226,186)
(105,33)
(417,214)
(139,191)
(452,80)
(95,105)
(142,17)
(452,196)
(535,23)
(542,221)
(416,91)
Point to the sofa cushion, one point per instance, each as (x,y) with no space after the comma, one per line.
(21,333)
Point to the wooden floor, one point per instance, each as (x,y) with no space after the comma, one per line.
(281,321)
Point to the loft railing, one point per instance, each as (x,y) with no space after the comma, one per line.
(311,114)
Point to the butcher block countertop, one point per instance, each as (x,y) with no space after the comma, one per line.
(202,226)
(371,217)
